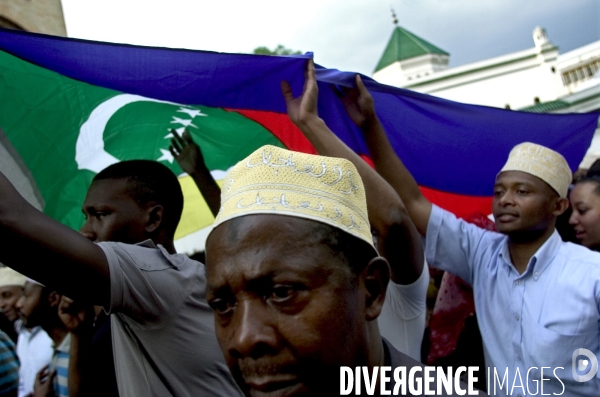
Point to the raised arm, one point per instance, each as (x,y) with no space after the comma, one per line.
(387,163)
(397,238)
(49,252)
(190,159)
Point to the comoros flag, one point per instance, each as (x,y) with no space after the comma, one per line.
(69,108)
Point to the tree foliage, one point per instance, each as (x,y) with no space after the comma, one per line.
(279,50)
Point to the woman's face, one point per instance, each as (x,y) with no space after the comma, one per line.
(586,213)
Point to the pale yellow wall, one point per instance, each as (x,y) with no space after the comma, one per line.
(39,16)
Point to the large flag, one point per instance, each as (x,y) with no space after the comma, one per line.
(71,107)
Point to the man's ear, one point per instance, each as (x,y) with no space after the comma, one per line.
(54,299)
(155,218)
(376,277)
(560,206)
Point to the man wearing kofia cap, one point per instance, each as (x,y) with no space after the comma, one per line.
(294,278)
(11,289)
(537,298)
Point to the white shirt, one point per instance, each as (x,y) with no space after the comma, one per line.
(35,351)
(402,318)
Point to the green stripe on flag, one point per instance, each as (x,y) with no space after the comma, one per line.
(66,131)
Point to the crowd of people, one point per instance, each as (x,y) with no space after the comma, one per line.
(314,263)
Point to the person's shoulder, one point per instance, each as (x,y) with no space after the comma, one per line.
(148,256)
(578,253)
(483,234)
(5,339)
(401,360)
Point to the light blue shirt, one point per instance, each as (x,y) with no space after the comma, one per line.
(535,319)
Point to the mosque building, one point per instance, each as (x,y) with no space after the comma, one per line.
(538,79)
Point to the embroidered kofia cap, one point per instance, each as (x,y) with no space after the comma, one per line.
(32,281)
(10,277)
(546,164)
(277,181)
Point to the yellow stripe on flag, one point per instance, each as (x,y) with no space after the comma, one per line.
(196,215)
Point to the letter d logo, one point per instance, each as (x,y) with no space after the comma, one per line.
(583,364)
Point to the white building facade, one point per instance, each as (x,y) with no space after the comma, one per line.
(539,79)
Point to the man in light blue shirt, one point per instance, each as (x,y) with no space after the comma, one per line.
(537,298)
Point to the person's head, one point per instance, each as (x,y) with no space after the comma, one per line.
(585,218)
(132,201)
(38,306)
(292,274)
(530,192)
(11,289)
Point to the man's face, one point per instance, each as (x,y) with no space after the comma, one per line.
(288,311)
(522,203)
(9,295)
(112,214)
(30,306)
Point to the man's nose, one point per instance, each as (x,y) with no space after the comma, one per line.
(253,332)
(88,231)
(506,199)
(19,303)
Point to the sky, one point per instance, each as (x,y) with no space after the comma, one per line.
(348,35)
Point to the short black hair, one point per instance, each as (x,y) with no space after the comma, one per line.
(150,181)
(353,250)
(594,169)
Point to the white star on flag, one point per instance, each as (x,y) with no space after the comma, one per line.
(166,156)
(184,122)
(192,112)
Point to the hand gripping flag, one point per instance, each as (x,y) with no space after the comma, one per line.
(70,107)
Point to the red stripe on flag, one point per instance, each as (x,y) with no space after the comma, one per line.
(460,205)
(280,126)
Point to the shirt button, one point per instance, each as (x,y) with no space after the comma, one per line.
(517,317)
(536,274)
(518,282)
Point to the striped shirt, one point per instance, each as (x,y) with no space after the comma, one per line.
(9,365)
(60,362)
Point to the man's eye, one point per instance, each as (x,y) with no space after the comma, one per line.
(281,293)
(522,192)
(221,306)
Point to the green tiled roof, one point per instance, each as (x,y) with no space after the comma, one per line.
(404,45)
(546,106)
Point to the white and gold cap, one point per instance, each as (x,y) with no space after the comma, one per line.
(278,181)
(10,277)
(544,163)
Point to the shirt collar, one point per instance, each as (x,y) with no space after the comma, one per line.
(65,345)
(542,257)
(147,244)
(150,244)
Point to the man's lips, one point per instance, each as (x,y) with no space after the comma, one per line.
(277,386)
(506,217)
